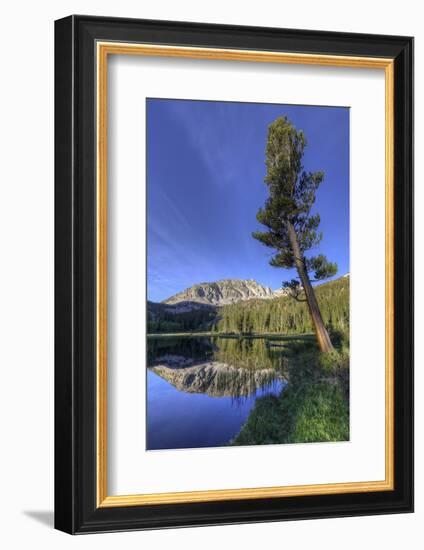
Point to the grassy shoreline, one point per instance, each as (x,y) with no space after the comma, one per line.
(313,407)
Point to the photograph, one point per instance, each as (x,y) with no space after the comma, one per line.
(247,274)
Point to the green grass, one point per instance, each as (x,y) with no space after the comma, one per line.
(313,407)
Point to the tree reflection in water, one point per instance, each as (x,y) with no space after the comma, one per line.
(236,367)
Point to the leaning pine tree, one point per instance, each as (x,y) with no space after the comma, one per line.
(291,229)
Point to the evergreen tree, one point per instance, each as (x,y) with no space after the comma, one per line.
(291,229)
(285,315)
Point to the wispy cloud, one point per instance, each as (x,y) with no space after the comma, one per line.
(213,135)
(172,209)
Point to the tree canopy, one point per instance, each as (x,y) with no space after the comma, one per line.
(292,193)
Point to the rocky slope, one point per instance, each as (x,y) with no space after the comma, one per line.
(221,293)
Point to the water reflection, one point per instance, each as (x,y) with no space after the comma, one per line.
(236,367)
(200,390)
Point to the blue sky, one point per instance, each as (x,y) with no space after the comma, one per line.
(205,172)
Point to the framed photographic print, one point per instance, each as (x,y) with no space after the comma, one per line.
(234,274)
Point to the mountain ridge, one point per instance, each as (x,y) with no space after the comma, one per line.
(222,292)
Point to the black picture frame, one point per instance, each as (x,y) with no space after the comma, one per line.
(76,510)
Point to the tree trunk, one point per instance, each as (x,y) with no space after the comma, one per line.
(323,337)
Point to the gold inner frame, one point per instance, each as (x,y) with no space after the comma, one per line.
(104,49)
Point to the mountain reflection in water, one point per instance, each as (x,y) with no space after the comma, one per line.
(200,390)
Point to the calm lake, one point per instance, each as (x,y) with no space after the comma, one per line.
(200,390)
